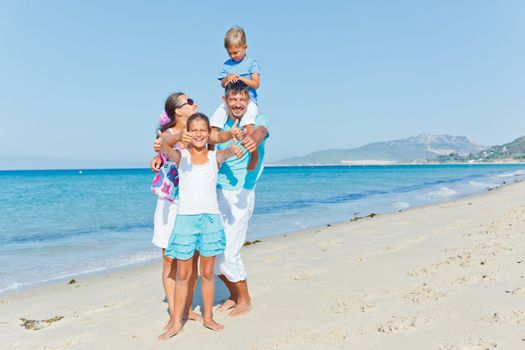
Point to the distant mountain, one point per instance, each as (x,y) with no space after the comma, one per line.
(512,151)
(412,149)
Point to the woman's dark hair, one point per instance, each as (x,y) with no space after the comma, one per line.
(172,103)
(197,116)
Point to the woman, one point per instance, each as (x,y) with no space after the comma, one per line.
(178,107)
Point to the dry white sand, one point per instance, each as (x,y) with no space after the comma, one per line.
(447,276)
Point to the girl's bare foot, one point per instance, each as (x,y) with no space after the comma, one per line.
(168,325)
(170,332)
(214,326)
(228,304)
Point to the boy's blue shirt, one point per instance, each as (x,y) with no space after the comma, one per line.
(244,69)
(233,174)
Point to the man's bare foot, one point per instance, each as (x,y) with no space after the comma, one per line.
(193,316)
(214,326)
(241,309)
(170,332)
(227,305)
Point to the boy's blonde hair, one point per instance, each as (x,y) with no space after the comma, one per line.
(235,37)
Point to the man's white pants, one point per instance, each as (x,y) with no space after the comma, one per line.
(236,208)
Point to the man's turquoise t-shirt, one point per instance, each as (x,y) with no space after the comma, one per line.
(233,174)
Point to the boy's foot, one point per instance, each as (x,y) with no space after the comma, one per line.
(214,326)
(170,332)
(227,305)
(241,309)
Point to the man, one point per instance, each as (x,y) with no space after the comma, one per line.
(236,196)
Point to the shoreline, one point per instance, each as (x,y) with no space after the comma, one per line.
(443,276)
(154,261)
(270,165)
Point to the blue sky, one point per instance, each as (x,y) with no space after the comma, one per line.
(83,82)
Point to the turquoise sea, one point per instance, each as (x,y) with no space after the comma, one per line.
(59,224)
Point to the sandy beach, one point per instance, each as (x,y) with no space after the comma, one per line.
(446,276)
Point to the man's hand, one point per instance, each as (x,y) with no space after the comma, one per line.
(155,164)
(237,132)
(249,144)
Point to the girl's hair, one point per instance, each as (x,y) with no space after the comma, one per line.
(235,37)
(195,117)
(172,103)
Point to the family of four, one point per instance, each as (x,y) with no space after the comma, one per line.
(206,193)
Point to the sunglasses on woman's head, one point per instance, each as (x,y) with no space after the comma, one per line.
(189,102)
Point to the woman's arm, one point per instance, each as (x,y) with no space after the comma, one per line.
(170,153)
(155,164)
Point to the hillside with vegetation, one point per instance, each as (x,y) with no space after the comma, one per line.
(512,151)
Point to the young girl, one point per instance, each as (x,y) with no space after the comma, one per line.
(178,107)
(198,226)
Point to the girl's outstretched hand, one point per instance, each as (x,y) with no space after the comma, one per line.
(236,150)
(186,137)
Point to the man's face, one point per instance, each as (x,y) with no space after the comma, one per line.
(237,104)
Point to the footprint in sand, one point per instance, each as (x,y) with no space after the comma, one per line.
(513,317)
(516,291)
(424,294)
(469,280)
(313,338)
(345,305)
(469,344)
(331,243)
(303,276)
(359,259)
(271,259)
(393,248)
(398,325)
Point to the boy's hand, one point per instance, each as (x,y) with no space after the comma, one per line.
(232,78)
(237,151)
(236,131)
(155,164)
